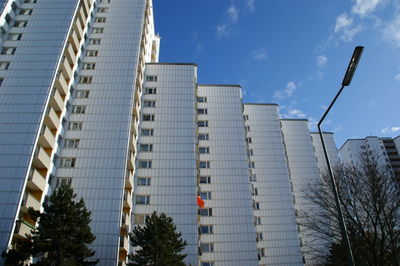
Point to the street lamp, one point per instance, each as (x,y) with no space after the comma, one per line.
(346,82)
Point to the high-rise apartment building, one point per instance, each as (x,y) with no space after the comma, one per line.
(84,101)
(385,148)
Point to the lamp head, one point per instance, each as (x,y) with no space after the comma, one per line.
(352,65)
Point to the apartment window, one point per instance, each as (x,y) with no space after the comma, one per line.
(30,1)
(25,12)
(259,236)
(150,90)
(151,78)
(145,164)
(4,65)
(82,94)
(97,30)
(92,53)
(78,109)
(102,10)
(203,136)
(204,164)
(252,165)
(204,150)
(89,66)
(148,117)
(206,229)
(362,147)
(201,99)
(205,179)
(202,123)
(14,36)
(75,125)
(146,147)
(68,162)
(247,128)
(144,181)
(94,41)
(260,253)
(207,263)
(20,23)
(256,205)
(71,143)
(85,79)
(105,1)
(202,111)
(257,220)
(63,181)
(254,191)
(207,247)
(246,117)
(8,50)
(147,132)
(206,195)
(100,19)
(143,199)
(248,140)
(205,212)
(252,178)
(141,218)
(249,152)
(1,81)
(149,103)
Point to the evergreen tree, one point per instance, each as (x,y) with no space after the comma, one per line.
(159,243)
(61,236)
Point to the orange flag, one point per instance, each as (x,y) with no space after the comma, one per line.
(200,202)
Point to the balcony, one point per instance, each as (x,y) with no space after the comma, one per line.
(82,13)
(74,40)
(66,67)
(51,119)
(134,127)
(127,199)
(23,228)
(131,161)
(41,159)
(36,180)
(78,27)
(125,224)
(46,138)
(86,5)
(132,146)
(129,180)
(29,201)
(136,109)
(57,101)
(61,84)
(70,54)
(124,244)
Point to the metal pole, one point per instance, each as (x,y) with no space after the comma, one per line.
(345,237)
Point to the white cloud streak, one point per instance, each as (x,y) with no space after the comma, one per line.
(233,14)
(342,22)
(259,54)
(390,130)
(321,60)
(287,92)
(365,7)
(391,31)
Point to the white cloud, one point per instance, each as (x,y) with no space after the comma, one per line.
(342,22)
(223,31)
(364,7)
(397,77)
(250,5)
(321,60)
(233,14)
(390,129)
(391,31)
(296,113)
(287,92)
(259,54)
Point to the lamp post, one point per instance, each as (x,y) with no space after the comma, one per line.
(346,81)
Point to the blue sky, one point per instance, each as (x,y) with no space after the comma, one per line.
(294,53)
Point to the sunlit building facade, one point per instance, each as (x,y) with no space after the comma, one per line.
(84,101)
